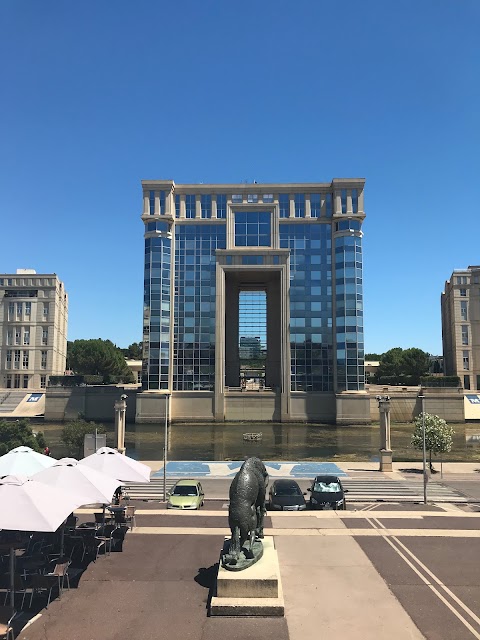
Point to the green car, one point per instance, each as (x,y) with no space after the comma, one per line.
(186,494)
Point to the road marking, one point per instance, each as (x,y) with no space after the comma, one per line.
(375,523)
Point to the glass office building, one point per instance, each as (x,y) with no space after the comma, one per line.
(253,304)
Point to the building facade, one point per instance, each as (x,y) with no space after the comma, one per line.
(460,303)
(33,329)
(296,251)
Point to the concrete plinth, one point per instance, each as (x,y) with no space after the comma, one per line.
(256,591)
(386,460)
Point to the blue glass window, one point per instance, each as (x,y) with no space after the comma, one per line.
(252,260)
(252,229)
(206,205)
(355,200)
(237,197)
(157,226)
(190,206)
(343,198)
(221,205)
(252,197)
(177,205)
(351,225)
(162,203)
(284,205)
(152,202)
(267,197)
(328,205)
(299,205)
(315,206)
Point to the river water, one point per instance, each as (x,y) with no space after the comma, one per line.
(218,441)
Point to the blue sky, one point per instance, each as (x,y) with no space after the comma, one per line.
(99,95)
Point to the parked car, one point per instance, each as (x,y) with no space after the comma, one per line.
(327,492)
(286,495)
(186,494)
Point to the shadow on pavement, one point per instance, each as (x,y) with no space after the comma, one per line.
(206,578)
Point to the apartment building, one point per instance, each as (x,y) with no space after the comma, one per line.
(33,329)
(460,303)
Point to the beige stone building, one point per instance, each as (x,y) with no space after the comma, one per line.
(461,326)
(33,329)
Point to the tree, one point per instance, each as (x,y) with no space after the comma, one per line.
(398,363)
(415,363)
(17,434)
(133,351)
(73,435)
(438,435)
(98,357)
(390,363)
(375,357)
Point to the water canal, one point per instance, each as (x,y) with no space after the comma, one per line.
(217,441)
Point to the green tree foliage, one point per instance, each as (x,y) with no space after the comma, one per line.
(133,351)
(98,357)
(17,434)
(375,357)
(73,435)
(438,435)
(401,363)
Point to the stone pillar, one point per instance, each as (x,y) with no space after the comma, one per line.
(120,412)
(385,445)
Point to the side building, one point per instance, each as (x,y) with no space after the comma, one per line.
(33,329)
(227,263)
(460,303)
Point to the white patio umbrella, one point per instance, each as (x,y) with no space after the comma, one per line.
(69,475)
(24,461)
(28,505)
(117,466)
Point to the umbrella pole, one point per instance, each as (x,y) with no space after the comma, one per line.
(103,518)
(62,540)
(12,577)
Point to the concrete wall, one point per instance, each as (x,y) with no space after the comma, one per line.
(352,408)
(405,404)
(256,406)
(312,407)
(93,403)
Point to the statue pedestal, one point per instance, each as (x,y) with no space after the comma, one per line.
(255,591)
(386,460)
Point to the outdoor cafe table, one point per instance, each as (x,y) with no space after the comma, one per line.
(118,512)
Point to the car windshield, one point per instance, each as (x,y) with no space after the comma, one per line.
(330,487)
(185,491)
(287,490)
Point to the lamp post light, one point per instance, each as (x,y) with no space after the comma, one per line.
(165,441)
(425,476)
(386,463)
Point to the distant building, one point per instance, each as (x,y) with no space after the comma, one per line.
(298,248)
(460,302)
(249,347)
(33,329)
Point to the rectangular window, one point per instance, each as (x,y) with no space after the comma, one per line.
(464,334)
(16,359)
(463,310)
(46,308)
(25,360)
(18,335)
(28,309)
(8,362)
(9,382)
(16,381)
(463,293)
(190,206)
(284,205)
(206,205)
(9,336)
(252,229)
(11,310)
(237,198)
(221,205)
(299,205)
(19,310)
(25,382)
(267,197)
(343,198)
(315,205)
(26,335)
(355,200)
(328,205)
(45,335)
(162,203)
(43,382)
(252,197)
(466,360)
(478,383)
(466,382)
(461,279)
(43,364)
(177,205)
(152,202)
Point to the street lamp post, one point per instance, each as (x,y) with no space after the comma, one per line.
(385,444)
(120,416)
(165,440)
(425,477)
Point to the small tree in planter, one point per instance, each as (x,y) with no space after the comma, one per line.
(438,435)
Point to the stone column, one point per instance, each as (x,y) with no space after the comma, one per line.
(120,412)
(385,445)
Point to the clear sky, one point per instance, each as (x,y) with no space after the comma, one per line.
(98,95)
